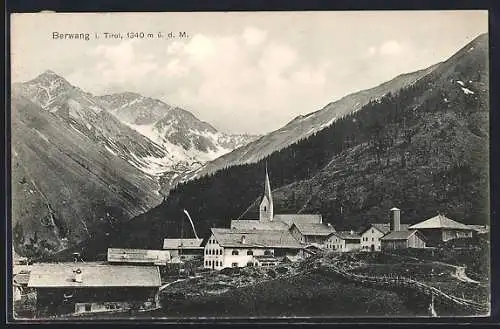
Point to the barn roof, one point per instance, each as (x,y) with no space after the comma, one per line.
(254,238)
(347,235)
(314,228)
(382,227)
(399,235)
(255,224)
(182,243)
(440,221)
(60,275)
(138,255)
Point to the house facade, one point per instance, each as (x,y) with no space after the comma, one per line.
(69,288)
(343,241)
(240,248)
(371,235)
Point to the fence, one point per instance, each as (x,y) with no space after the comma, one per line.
(406,283)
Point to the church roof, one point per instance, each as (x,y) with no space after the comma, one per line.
(289,219)
(254,224)
(314,228)
(440,221)
(254,238)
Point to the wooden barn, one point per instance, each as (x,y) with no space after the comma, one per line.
(402,240)
(440,229)
(69,288)
(311,232)
(183,249)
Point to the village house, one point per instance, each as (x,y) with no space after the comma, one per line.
(343,241)
(138,256)
(308,233)
(69,288)
(239,248)
(440,229)
(181,249)
(370,236)
(372,233)
(401,237)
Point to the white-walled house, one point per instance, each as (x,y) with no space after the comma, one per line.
(239,248)
(343,241)
(370,236)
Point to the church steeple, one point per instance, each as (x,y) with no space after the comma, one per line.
(266,205)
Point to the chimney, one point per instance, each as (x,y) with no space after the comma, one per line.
(395,223)
(78,275)
(243,239)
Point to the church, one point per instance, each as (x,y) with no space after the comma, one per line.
(268,220)
(265,241)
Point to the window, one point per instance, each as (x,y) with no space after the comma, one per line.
(250,253)
(88,307)
(234,264)
(265,208)
(249,264)
(235,253)
(267,253)
(373,239)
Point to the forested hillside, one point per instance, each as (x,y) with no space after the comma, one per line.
(424,149)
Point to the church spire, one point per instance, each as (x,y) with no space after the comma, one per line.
(266,205)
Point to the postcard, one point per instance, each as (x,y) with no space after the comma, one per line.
(250,165)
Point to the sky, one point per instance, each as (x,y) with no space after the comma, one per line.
(242,72)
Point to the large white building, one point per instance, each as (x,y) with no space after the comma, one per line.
(239,248)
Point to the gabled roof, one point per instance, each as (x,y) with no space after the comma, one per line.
(382,227)
(298,218)
(347,235)
(254,224)
(440,221)
(254,238)
(182,243)
(60,275)
(138,256)
(314,228)
(400,235)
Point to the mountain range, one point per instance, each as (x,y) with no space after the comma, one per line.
(83,163)
(419,142)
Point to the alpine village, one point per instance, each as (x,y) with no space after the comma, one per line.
(374,206)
